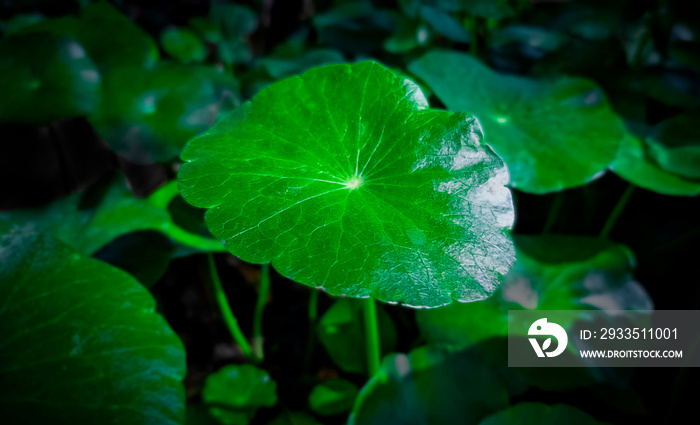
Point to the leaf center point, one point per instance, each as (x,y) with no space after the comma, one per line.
(354,182)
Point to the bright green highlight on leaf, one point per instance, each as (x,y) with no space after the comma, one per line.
(236,392)
(332,397)
(345,180)
(552,134)
(80,340)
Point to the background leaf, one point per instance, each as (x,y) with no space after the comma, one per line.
(342,333)
(112,359)
(45,77)
(552,134)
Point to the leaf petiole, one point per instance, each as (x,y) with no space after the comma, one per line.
(226,313)
(371,337)
(615,214)
(263,290)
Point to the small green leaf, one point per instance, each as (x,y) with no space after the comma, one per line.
(45,77)
(675,145)
(430,386)
(148,115)
(445,24)
(342,332)
(145,255)
(409,34)
(354,27)
(540,414)
(553,272)
(236,392)
(345,180)
(183,44)
(81,342)
(111,39)
(332,397)
(552,134)
(633,165)
(235,23)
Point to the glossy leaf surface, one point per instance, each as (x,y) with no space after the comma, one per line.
(553,272)
(45,77)
(341,330)
(540,414)
(183,44)
(148,115)
(345,180)
(430,386)
(81,341)
(332,397)
(552,134)
(633,165)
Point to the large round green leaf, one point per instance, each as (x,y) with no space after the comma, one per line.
(540,414)
(45,77)
(430,386)
(147,115)
(633,165)
(553,272)
(345,180)
(332,397)
(80,340)
(552,134)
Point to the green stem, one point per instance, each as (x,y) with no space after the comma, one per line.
(161,198)
(226,313)
(190,239)
(615,214)
(372,337)
(263,290)
(553,213)
(310,338)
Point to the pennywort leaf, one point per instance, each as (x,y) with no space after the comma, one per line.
(344,179)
